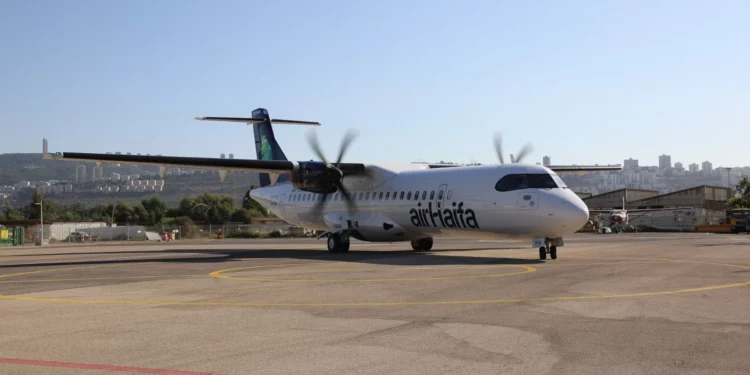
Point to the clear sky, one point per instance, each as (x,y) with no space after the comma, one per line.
(584,81)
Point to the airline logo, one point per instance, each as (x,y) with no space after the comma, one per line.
(458,217)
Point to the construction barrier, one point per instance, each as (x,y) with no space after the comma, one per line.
(722,228)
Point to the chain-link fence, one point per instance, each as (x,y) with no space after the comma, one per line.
(160,232)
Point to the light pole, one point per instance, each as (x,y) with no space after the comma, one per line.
(41,220)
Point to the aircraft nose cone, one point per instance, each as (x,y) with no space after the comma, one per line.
(578,213)
(573,211)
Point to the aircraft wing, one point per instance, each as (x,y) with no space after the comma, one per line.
(556,168)
(582,168)
(225,165)
(658,209)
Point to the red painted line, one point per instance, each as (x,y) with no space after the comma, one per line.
(84,366)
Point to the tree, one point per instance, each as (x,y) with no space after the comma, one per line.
(741,196)
(155,207)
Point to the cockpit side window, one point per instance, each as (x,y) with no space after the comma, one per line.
(525,181)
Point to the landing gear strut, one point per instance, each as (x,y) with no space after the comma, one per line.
(547,249)
(338,243)
(422,244)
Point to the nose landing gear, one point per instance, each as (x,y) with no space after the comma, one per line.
(548,249)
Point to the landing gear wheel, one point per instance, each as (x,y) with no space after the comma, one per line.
(542,253)
(553,252)
(338,243)
(422,244)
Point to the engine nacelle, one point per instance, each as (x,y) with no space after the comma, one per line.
(315,177)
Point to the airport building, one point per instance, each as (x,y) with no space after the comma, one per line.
(707,205)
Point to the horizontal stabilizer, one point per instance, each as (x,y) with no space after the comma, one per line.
(255,120)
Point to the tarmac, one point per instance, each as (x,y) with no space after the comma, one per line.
(651,303)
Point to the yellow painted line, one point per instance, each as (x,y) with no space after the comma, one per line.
(221,274)
(44,271)
(99,278)
(374,304)
(381,304)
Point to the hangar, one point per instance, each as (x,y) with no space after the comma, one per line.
(707,202)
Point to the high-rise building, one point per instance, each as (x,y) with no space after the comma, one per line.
(98,173)
(678,165)
(231,156)
(693,167)
(707,167)
(81,173)
(665,161)
(630,163)
(45,146)
(223,156)
(546,161)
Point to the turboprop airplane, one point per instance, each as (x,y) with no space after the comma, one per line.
(389,203)
(620,218)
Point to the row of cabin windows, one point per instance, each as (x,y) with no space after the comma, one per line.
(308,197)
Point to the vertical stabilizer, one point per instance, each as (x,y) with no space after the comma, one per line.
(266,147)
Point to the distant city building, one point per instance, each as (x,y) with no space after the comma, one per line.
(45,146)
(231,156)
(665,162)
(678,165)
(707,167)
(630,163)
(546,161)
(223,156)
(128,153)
(118,153)
(693,168)
(81,173)
(98,173)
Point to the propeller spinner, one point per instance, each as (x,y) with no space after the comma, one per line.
(333,174)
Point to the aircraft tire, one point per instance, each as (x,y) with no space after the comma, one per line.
(344,243)
(553,252)
(422,244)
(338,244)
(542,253)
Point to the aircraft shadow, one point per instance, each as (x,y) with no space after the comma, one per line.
(395,257)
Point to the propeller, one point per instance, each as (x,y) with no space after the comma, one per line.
(525,150)
(333,174)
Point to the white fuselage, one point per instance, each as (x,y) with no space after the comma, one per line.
(416,202)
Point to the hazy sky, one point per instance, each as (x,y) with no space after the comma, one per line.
(584,81)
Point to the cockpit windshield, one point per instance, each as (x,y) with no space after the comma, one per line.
(559,181)
(529,181)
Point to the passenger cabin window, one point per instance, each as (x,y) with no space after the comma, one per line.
(450,192)
(525,181)
(416,195)
(440,194)
(402,196)
(387,195)
(424,195)
(408,196)
(432,195)
(380,197)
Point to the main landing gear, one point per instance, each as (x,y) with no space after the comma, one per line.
(338,243)
(547,249)
(422,244)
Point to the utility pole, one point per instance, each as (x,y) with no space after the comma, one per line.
(41,220)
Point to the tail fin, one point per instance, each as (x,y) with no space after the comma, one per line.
(266,147)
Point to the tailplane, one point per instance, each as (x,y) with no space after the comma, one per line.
(266,146)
